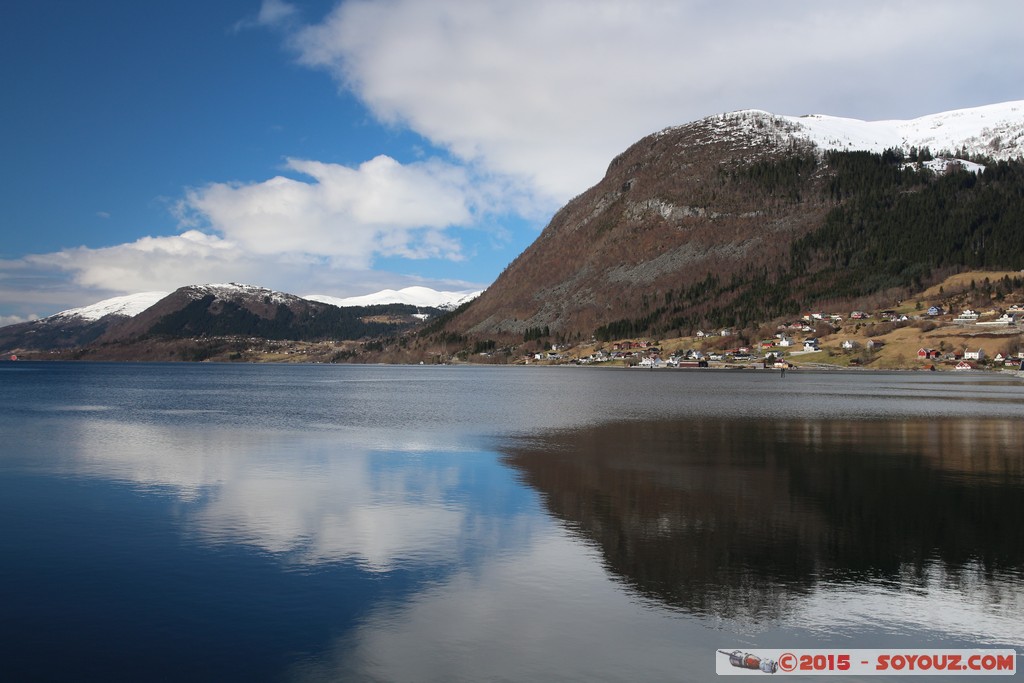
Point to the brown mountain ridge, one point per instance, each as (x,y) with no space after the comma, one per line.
(732,220)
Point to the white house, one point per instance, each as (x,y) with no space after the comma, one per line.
(978,355)
(968,317)
(811,345)
(1004,319)
(850,345)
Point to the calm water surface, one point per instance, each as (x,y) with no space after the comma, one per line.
(322,523)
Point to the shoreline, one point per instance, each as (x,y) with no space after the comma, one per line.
(716,367)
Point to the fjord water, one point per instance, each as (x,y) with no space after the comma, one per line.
(318,523)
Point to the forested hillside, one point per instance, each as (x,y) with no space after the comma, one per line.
(893,225)
(208,317)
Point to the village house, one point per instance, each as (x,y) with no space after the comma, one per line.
(936,310)
(928,354)
(1004,320)
(811,345)
(968,317)
(850,345)
(875,344)
(978,355)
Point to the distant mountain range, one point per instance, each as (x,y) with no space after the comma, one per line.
(229,310)
(413,296)
(741,218)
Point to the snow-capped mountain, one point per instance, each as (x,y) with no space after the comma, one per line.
(995,131)
(414,296)
(226,309)
(235,291)
(77,327)
(126,306)
(257,312)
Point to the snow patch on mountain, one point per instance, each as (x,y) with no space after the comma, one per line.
(413,296)
(940,165)
(127,306)
(233,291)
(995,131)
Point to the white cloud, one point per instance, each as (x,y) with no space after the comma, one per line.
(147,263)
(322,232)
(15,319)
(381,208)
(550,92)
(272,14)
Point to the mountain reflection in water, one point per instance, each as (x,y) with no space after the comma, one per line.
(730,518)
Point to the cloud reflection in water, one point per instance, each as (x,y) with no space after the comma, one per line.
(311,498)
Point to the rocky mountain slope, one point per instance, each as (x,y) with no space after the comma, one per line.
(736,218)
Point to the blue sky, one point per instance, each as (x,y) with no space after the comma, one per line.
(340,148)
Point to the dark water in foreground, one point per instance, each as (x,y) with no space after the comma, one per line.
(315,523)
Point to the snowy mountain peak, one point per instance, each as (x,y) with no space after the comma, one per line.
(995,131)
(413,296)
(126,306)
(234,290)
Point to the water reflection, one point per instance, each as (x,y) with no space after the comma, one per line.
(309,499)
(747,520)
(548,613)
(357,524)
